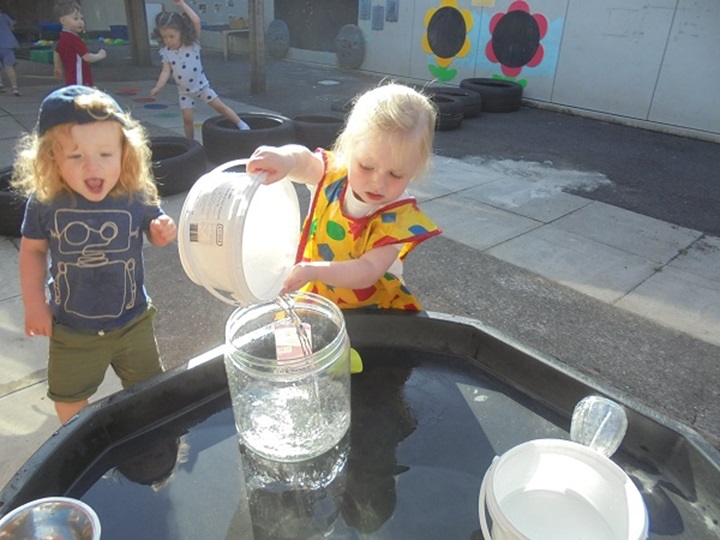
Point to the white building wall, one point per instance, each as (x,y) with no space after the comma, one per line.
(100,14)
(647,62)
(687,86)
(389,50)
(611,55)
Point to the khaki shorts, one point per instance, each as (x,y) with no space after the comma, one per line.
(78,360)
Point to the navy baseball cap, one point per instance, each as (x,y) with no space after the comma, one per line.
(66,105)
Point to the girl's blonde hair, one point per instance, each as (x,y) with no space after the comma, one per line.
(36,170)
(391,109)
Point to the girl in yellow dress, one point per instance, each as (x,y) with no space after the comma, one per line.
(362,223)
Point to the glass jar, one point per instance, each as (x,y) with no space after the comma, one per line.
(291,402)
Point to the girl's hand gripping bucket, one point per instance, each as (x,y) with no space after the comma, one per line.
(552,489)
(237,237)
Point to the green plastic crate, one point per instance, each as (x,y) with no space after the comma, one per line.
(44,56)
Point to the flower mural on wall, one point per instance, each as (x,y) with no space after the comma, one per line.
(446,29)
(516,36)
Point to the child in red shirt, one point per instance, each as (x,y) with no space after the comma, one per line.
(71,53)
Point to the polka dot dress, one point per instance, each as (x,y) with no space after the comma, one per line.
(186,67)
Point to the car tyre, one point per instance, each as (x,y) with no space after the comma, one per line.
(350,47)
(317,130)
(450,112)
(277,39)
(470,99)
(497,95)
(343,106)
(224,142)
(177,163)
(12,206)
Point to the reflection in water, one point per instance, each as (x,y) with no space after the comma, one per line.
(154,467)
(315,473)
(293,500)
(663,515)
(355,480)
(412,427)
(381,419)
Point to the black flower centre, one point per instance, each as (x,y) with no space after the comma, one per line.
(446,32)
(516,38)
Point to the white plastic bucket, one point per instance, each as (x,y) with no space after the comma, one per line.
(559,490)
(237,237)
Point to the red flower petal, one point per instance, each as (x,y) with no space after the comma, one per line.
(537,57)
(495,19)
(542,23)
(511,71)
(490,53)
(519,6)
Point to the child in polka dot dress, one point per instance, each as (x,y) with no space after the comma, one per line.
(180,33)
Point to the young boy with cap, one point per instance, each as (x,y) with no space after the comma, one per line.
(86,170)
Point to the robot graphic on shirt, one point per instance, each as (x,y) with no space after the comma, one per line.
(94,247)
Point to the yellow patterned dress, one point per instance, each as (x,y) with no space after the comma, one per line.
(329,234)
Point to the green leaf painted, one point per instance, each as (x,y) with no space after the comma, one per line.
(441,73)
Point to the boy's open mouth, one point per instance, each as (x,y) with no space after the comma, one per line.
(94,185)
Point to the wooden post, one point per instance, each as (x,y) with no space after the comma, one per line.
(137,32)
(256,16)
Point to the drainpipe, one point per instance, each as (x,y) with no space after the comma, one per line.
(256,20)
(137,32)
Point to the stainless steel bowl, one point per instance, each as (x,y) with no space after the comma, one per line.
(59,518)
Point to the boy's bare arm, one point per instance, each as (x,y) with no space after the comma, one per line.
(57,66)
(33,274)
(91,58)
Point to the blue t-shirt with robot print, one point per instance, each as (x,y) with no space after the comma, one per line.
(96,277)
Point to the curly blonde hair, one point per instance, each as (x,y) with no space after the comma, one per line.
(388,110)
(36,170)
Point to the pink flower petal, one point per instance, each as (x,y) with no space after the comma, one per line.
(542,24)
(490,52)
(511,71)
(519,5)
(537,57)
(495,19)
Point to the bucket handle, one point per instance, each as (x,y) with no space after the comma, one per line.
(259,177)
(483,499)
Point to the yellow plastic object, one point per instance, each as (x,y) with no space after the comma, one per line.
(356,365)
(237,23)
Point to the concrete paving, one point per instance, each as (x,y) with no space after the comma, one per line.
(631,300)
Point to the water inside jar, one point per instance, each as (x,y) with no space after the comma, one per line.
(285,303)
